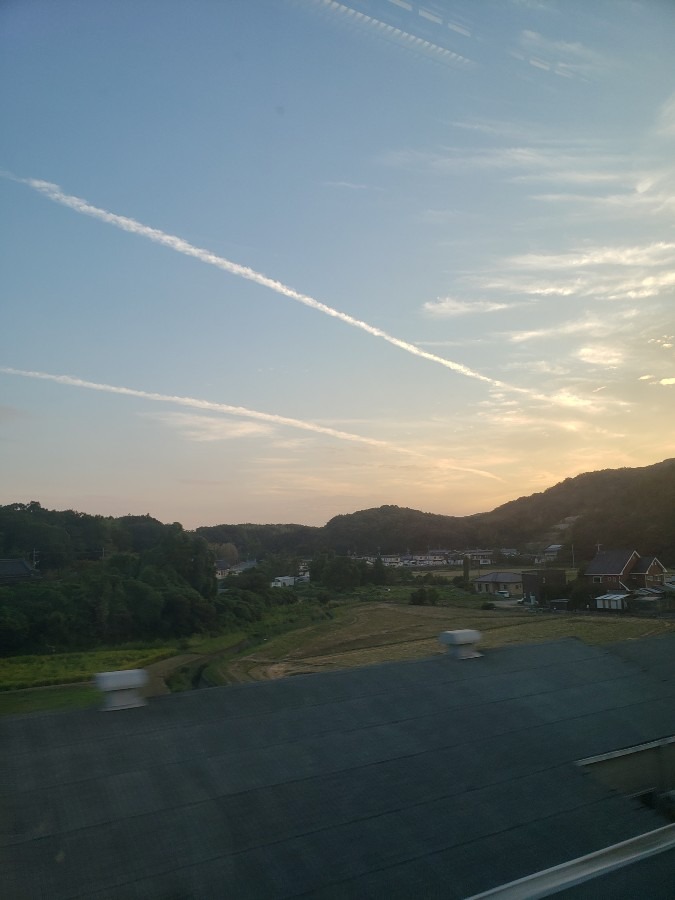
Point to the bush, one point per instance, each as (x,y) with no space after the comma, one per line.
(487,605)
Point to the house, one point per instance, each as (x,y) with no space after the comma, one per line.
(391,560)
(498,582)
(624,570)
(552,551)
(223,567)
(289,580)
(537,584)
(238,568)
(15,571)
(648,572)
(482,557)
(283,581)
(425,778)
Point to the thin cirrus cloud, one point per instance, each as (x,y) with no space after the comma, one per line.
(657,253)
(269,418)
(566,58)
(207,428)
(451,306)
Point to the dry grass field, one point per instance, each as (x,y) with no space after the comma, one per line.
(359,634)
(367,633)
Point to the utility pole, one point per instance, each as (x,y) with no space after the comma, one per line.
(36,555)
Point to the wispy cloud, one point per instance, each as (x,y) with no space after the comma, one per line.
(588,325)
(270,418)
(601,355)
(451,306)
(657,253)
(567,58)
(666,119)
(207,428)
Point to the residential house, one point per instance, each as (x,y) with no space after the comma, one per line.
(15,571)
(283,581)
(289,580)
(625,570)
(482,557)
(498,582)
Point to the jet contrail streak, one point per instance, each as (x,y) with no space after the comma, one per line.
(195,403)
(54,192)
(241,411)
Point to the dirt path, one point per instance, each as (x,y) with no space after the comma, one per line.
(158,672)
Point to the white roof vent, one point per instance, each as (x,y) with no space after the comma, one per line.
(121,689)
(461,644)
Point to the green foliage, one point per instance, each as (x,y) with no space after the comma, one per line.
(424,596)
(74,696)
(33,671)
(616,507)
(104,581)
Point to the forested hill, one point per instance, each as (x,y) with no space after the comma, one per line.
(614,507)
(619,508)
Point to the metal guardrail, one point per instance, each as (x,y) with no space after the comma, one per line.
(584,868)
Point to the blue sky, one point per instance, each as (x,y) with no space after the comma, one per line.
(276,261)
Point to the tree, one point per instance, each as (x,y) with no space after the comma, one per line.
(379,574)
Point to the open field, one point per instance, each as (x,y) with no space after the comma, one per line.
(364,634)
(68,668)
(74,696)
(359,633)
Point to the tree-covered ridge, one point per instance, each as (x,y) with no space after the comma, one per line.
(613,507)
(106,580)
(102,580)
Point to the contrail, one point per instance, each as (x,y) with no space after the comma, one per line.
(242,411)
(54,192)
(195,403)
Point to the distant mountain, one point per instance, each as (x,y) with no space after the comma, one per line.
(617,508)
(632,508)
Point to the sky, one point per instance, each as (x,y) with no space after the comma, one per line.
(277,261)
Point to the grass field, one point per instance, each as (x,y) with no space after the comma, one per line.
(364,634)
(67,668)
(358,633)
(75,696)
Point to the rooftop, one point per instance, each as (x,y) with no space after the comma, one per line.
(504,577)
(413,779)
(609,562)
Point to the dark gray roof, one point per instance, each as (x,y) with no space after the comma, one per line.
(641,567)
(609,562)
(15,568)
(505,577)
(418,779)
